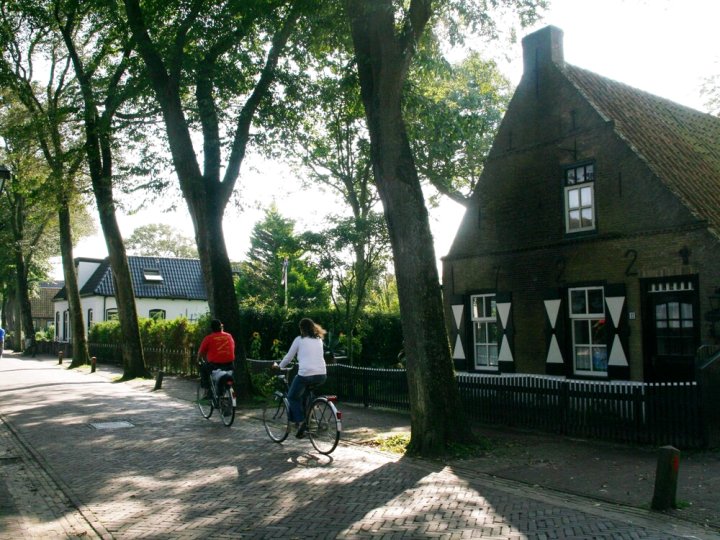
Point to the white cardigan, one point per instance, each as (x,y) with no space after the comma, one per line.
(309,353)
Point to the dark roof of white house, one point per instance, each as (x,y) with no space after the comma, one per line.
(152,277)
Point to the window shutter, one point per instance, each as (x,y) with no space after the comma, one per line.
(618,331)
(457,305)
(506,332)
(555,361)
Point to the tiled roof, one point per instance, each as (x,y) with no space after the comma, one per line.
(42,306)
(181,279)
(679,144)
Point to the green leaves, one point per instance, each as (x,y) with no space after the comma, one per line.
(452,114)
(260,281)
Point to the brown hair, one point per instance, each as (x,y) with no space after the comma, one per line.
(308,328)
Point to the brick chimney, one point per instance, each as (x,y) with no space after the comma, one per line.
(542,47)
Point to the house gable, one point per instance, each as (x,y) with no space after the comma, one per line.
(646,173)
(553,122)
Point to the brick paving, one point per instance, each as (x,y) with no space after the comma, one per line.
(83,457)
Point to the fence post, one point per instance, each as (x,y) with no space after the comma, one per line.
(666,475)
(158,380)
(564,406)
(365,388)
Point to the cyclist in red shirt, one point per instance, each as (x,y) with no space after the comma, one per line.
(218,348)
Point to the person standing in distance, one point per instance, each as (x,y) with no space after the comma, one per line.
(218,348)
(2,340)
(308,347)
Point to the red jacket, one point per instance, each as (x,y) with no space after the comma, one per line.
(219,348)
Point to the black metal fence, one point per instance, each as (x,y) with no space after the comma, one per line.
(621,411)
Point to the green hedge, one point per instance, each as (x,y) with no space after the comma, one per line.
(267,334)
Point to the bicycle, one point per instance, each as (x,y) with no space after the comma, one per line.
(322,419)
(223,396)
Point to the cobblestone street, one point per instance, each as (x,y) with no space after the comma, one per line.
(83,457)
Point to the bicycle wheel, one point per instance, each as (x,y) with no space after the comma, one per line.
(227,409)
(323,425)
(275,417)
(205,405)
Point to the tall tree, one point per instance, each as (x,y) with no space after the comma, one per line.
(101,58)
(385,37)
(29,217)
(332,144)
(276,258)
(353,252)
(452,112)
(212,66)
(160,240)
(51,105)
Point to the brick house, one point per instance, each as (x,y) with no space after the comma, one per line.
(591,246)
(164,287)
(42,305)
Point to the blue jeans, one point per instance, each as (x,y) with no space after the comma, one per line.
(297,391)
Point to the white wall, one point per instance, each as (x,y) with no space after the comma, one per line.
(190,309)
(85,269)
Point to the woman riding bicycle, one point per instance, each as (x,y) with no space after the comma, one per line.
(308,347)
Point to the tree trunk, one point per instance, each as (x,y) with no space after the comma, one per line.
(133,354)
(217,273)
(23,297)
(98,145)
(81,355)
(382,58)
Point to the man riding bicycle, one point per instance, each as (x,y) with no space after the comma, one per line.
(218,348)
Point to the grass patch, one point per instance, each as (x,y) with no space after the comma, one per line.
(397,444)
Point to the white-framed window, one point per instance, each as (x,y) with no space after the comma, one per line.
(89,318)
(151,275)
(587,317)
(111,314)
(158,314)
(580,198)
(66,325)
(483,312)
(57,326)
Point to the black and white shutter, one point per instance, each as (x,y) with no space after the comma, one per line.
(554,333)
(618,331)
(506,331)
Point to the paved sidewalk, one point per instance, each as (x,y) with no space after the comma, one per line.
(82,457)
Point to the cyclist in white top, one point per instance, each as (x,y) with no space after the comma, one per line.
(308,347)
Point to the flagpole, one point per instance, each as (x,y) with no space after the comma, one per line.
(285,280)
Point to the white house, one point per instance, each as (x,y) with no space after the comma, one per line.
(165,288)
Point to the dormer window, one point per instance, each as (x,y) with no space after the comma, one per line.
(152,276)
(580,198)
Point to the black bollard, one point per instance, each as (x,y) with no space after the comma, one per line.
(666,475)
(93,361)
(158,380)
(60,357)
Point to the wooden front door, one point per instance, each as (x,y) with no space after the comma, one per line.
(671,328)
